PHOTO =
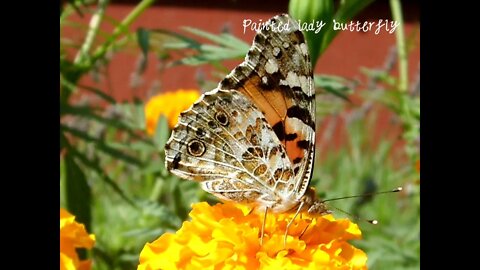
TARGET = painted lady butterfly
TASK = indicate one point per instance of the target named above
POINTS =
(252, 139)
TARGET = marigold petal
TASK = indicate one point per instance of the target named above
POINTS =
(73, 235)
(226, 236)
(170, 105)
(67, 262)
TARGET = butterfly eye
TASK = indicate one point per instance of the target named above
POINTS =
(196, 148)
(221, 118)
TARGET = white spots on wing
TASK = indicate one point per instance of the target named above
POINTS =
(264, 80)
(297, 59)
(293, 80)
(304, 84)
(276, 51)
(271, 66)
(286, 45)
(304, 48)
(297, 124)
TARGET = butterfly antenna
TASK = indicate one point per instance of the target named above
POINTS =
(364, 195)
(371, 221)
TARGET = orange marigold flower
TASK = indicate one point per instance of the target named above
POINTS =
(170, 105)
(73, 235)
(226, 236)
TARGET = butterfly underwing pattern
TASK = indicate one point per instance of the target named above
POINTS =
(252, 139)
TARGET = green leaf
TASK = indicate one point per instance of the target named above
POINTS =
(119, 154)
(142, 146)
(228, 46)
(143, 39)
(172, 40)
(179, 203)
(94, 165)
(89, 113)
(102, 146)
(161, 133)
(312, 11)
(78, 133)
(224, 39)
(335, 85)
(379, 75)
(101, 94)
(78, 193)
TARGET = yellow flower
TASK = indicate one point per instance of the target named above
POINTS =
(226, 236)
(73, 235)
(170, 105)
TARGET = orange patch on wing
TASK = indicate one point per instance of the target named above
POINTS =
(293, 150)
(272, 102)
(274, 105)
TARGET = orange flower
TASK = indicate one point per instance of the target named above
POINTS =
(226, 236)
(73, 235)
(170, 105)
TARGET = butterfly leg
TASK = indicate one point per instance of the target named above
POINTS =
(263, 226)
(251, 210)
(304, 230)
(290, 223)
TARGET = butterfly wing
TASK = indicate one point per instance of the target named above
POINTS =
(225, 142)
(277, 76)
(252, 138)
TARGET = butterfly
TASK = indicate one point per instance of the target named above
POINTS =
(252, 139)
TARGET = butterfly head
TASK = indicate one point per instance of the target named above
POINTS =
(313, 204)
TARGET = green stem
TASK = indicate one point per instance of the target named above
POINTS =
(121, 28)
(157, 190)
(93, 28)
(405, 112)
(401, 45)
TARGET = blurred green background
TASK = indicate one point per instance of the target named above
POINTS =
(113, 177)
